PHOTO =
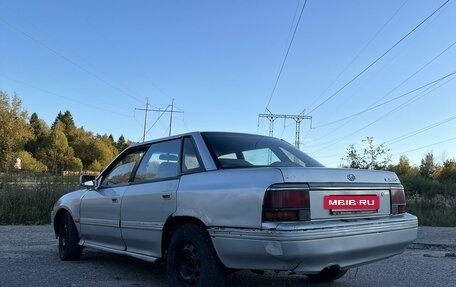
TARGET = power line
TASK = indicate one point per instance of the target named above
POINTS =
(426, 146)
(378, 59)
(60, 55)
(419, 131)
(403, 105)
(286, 55)
(423, 93)
(372, 107)
(360, 52)
(65, 97)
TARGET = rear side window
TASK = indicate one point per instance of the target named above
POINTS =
(160, 162)
(190, 159)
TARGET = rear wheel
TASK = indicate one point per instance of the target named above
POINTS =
(68, 239)
(191, 260)
(327, 274)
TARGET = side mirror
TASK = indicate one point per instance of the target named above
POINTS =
(87, 180)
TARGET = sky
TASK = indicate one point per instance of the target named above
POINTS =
(383, 69)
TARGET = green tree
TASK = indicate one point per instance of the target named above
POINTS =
(40, 132)
(73, 164)
(122, 143)
(95, 166)
(82, 146)
(428, 167)
(57, 154)
(69, 127)
(372, 157)
(14, 131)
(103, 150)
(404, 167)
(447, 172)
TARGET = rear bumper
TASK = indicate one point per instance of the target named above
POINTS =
(310, 247)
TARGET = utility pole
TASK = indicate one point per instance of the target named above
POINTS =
(172, 111)
(297, 118)
(145, 117)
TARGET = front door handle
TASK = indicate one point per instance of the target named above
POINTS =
(114, 200)
(166, 196)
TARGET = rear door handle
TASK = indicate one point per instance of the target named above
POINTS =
(166, 196)
(114, 200)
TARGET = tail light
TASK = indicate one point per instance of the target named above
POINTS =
(285, 202)
(397, 200)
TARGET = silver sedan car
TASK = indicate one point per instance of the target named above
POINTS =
(208, 203)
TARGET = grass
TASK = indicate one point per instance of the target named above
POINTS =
(29, 198)
(432, 201)
(438, 210)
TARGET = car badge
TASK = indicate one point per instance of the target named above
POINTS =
(351, 177)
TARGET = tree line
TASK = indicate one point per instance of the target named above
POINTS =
(57, 148)
(377, 157)
(65, 147)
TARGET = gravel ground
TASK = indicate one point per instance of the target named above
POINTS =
(29, 257)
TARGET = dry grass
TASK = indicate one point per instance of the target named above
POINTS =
(438, 210)
(28, 199)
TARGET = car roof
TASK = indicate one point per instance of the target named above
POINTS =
(189, 134)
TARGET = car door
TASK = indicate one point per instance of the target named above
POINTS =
(100, 207)
(151, 198)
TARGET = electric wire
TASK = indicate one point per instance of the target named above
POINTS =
(374, 106)
(60, 55)
(65, 97)
(426, 146)
(359, 53)
(379, 58)
(286, 56)
(419, 131)
(430, 88)
(421, 94)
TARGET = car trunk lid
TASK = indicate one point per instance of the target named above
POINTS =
(345, 193)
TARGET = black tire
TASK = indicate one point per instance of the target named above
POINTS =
(191, 260)
(69, 249)
(327, 275)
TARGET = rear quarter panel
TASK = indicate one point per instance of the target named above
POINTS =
(226, 198)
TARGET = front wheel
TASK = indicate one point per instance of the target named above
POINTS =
(69, 249)
(191, 260)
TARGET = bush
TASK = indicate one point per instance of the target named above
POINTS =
(427, 187)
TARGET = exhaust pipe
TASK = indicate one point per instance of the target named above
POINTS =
(328, 274)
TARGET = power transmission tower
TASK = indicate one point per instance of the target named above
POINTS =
(297, 118)
(172, 111)
(145, 117)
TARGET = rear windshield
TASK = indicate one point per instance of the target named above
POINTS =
(231, 150)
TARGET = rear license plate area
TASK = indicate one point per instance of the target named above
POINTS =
(351, 204)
